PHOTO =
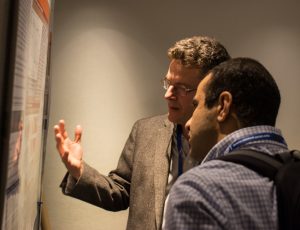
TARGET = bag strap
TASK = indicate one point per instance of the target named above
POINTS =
(262, 163)
(287, 188)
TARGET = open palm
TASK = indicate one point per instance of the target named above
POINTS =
(70, 151)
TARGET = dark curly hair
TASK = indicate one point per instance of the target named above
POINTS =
(199, 52)
(256, 97)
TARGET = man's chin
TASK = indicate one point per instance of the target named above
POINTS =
(171, 118)
(174, 118)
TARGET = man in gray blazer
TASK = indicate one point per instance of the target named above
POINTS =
(155, 153)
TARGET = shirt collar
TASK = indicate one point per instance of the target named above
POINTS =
(223, 147)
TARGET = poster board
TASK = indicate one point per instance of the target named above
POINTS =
(23, 118)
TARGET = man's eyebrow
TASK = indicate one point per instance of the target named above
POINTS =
(179, 83)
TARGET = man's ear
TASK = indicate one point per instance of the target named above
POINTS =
(224, 105)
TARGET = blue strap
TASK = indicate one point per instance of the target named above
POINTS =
(257, 137)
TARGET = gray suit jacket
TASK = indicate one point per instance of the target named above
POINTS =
(138, 182)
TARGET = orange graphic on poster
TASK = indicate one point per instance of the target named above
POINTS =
(42, 9)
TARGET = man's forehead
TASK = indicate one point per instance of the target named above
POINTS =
(203, 83)
(177, 66)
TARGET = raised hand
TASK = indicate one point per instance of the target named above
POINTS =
(69, 151)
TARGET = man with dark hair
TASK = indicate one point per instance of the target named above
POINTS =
(156, 150)
(236, 106)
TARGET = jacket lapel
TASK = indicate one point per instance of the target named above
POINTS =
(161, 168)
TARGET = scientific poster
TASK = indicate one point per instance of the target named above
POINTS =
(25, 156)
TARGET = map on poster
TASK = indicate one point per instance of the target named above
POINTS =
(23, 183)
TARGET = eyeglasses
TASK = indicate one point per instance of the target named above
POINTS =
(179, 90)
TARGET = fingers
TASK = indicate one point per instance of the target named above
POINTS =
(62, 129)
(56, 129)
(60, 144)
(78, 134)
(61, 136)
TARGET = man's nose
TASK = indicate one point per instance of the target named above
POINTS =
(170, 93)
(187, 125)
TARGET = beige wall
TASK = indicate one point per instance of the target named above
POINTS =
(107, 61)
